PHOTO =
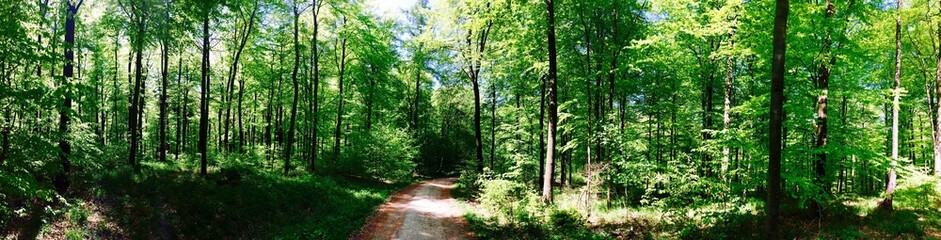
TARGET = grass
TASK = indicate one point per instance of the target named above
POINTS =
(917, 215)
(170, 202)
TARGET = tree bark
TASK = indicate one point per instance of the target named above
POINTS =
(316, 100)
(823, 85)
(336, 131)
(204, 99)
(133, 113)
(553, 104)
(493, 123)
(727, 106)
(896, 94)
(937, 131)
(297, 62)
(777, 115)
(542, 138)
(162, 122)
(180, 116)
(473, 72)
(65, 147)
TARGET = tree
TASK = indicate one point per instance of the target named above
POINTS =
(475, 45)
(316, 100)
(937, 115)
(782, 7)
(896, 93)
(137, 13)
(341, 67)
(205, 11)
(65, 147)
(551, 83)
(297, 62)
(243, 33)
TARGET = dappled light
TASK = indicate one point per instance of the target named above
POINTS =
(470, 119)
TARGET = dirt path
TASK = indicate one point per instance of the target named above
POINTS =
(423, 210)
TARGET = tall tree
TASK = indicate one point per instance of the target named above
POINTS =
(297, 62)
(315, 117)
(65, 147)
(896, 94)
(137, 14)
(205, 13)
(937, 116)
(782, 7)
(243, 33)
(551, 83)
(822, 80)
(476, 45)
(341, 65)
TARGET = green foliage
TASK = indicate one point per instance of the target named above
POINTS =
(510, 210)
(262, 205)
(509, 201)
(385, 153)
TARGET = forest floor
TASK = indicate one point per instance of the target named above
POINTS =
(423, 210)
(172, 202)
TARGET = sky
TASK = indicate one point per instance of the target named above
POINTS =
(390, 8)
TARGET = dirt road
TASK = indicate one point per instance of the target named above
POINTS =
(423, 210)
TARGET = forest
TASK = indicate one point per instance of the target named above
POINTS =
(545, 119)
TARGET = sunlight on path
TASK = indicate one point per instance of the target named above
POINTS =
(421, 211)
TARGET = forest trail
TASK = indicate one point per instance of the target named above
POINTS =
(423, 210)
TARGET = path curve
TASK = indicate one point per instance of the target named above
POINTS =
(423, 210)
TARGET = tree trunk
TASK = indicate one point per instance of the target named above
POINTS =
(937, 120)
(553, 105)
(493, 123)
(134, 122)
(65, 147)
(890, 185)
(777, 116)
(204, 100)
(162, 122)
(336, 131)
(179, 108)
(297, 62)
(478, 144)
(542, 118)
(727, 106)
(823, 85)
(315, 119)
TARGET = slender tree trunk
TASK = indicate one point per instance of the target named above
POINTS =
(204, 101)
(65, 147)
(474, 74)
(164, 83)
(478, 144)
(134, 122)
(185, 114)
(890, 185)
(370, 100)
(316, 101)
(7, 122)
(493, 123)
(727, 106)
(336, 131)
(823, 85)
(180, 116)
(777, 116)
(553, 104)
(542, 118)
(297, 62)
(937, 121)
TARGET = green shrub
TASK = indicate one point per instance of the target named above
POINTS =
(386, 152)
(509, 201)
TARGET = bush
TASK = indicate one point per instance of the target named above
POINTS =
(509, 201)
(386, 152)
